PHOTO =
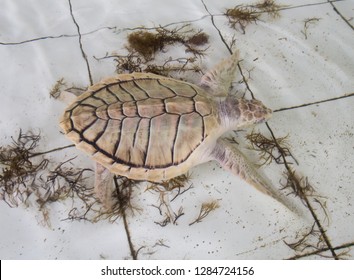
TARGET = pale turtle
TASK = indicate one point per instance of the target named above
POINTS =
(149, 127)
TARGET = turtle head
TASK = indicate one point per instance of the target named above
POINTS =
(253, 112)
(239, 112)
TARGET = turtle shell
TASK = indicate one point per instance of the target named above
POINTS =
(142, 126)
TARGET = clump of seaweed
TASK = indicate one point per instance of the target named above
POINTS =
(269, 148)
(25, 180)
(122, 199)
(132, 62)
(176, 187)
(92, 210)
(312, 242)
(198, 39)
(205, 210)
(56, 89)
(270, 7)
(297, 185)
(242, 15)
(304, 241)
(176, 183)
(173, 65)
(23, 176)
(144, 44)
(65, 182)
(18, 171)
(147, 43)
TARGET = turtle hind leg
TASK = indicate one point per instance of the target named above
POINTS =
(68, 96)
(103, 188)
(234, 161)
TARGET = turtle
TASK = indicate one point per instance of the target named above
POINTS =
(152, 128)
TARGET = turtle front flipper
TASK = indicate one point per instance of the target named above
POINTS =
(217, 81)
(234, 161)
(104, 186)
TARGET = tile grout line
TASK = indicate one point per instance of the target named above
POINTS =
(340, 14)
(130, 29)
(80, 42)
(307, 5)
(304, 197)
(36, 39)
(57, 36)
(315, 102)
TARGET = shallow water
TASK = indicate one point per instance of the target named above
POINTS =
(300, 64)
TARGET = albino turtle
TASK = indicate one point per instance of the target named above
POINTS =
(149, 127)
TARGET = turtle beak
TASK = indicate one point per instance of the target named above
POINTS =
(268, 114)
